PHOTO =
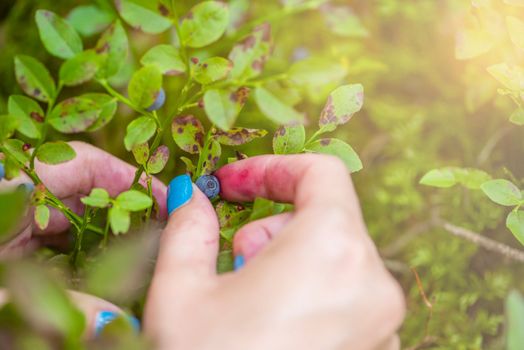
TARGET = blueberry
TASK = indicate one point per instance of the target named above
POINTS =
(2, 171)
(159, 101)
(209, 185)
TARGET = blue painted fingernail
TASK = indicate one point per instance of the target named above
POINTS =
(239, 262)
(135, 323)
(103, 319)
(2, 171)
(27, 187)
(179, 192)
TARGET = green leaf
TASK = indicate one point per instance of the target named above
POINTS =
(89, 19)
(158, 160)
(517, 117)
(289, 139)
(42, 216)
(56, 152)
(276, 110)
(442, 178)
(238, 136)
(262, 208)
(144, 86)
(141, 153)
(515, 321)
(139, 131)
(119, 219)
(59, 37)
(8, 126)
(211, 156)
(188, 133)
(150, 16)
(339, 149)
(470, 178)
(225, 261)
(502, 192)
(343, 21)
(190, 167)
(515, 223)
(250, 55)
(509, 76)
(133, 200)
(34, 78)
(42, 301)
(80, 68)
(166, 58)
(222, 106)
(87, 112)
(211, 70)
(98, 198)
(12, 207)
(516, 31)
(205, 23)
(28, 113)
(341, 105)
(15, 148)
(113, 49)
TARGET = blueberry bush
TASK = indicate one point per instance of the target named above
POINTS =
(187, 86)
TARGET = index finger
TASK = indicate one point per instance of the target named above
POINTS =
(305, 180)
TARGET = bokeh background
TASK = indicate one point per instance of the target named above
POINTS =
(429, 102)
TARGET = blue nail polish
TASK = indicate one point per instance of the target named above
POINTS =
(27, 187)
(103, 319)
(135, 323)
(239, 262)
(2, 171)
(179, 192)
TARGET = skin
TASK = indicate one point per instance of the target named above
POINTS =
(313, 278)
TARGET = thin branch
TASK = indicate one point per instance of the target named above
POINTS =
(484, 242)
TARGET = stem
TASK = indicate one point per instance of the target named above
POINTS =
(204, 152)
(150, 194)
(80, 236)
(103, 244)
(319, 132)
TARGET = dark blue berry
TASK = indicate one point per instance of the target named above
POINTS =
(159, 101)
(209, 185)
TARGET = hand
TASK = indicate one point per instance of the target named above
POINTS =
(73, 180)
(313, 278)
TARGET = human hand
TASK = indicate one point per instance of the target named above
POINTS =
(313, 278)
(70, 181)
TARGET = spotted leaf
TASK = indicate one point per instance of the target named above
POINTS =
(289, 139)
(188, 133)
(222, 106)
(34, 78)
(158, 160)
(29, 114)
(250, 55)
(341, 105)
(238, 136)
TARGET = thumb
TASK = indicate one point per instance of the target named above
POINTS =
(189, 243)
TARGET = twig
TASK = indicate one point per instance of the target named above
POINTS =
(484, 242)
(401, 242)
(425, 298)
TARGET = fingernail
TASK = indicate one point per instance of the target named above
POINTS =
(27, 187)
(2, 171)
(135, 323)
(239, 262)
(179, 192)
(103, 319)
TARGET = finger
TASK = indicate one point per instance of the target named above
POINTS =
(92, 168)
(393, 343)
(189, 243)
(98, 312)
(302, 179)
(251, 238)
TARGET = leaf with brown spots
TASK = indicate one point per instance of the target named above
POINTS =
(113, 49)
(204, 24)
(150, 16)
(83, 113)
(289, 139)
(342, 104)
(144, 86)
(211, 70)
(211, 157)
(250, 55)
(188, 133)
(158, 160)
(238, 136)
(28, 113)
(34, 78)
(141, 153)
(222, 106)
(190, 167)
(80, 69)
